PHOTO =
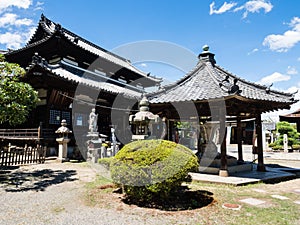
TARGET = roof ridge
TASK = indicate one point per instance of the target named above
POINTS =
(263, 87)
(94, 45)
(40, 24)
(177, 82)
(214, 75)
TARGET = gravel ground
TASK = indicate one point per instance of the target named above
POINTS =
(53, 193)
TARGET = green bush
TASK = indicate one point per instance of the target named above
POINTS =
(106, 162)
(271, 145)
(152, 168)
(296, 147)
(288, 129)
(277, 147)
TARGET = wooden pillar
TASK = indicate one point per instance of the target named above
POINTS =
(222, 135)
(239, 140)
(170, 130)
(260, 154)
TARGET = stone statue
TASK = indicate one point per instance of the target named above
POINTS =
(113, 136)
(93, 119)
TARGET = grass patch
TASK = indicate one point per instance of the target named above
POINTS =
(100, 193)
(274, 211)
(58, 209)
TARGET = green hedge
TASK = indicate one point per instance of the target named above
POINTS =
(152, 168)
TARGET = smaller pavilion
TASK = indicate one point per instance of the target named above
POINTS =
(210, 94)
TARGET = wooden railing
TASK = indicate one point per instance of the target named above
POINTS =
(26, 134)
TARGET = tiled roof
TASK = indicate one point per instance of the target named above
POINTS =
(209, 81)
(67, 73)
(51, 28)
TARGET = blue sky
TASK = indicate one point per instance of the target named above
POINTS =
(258, 40)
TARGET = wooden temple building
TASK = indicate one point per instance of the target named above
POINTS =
(73, 76)
(64, 67)
(210, 93)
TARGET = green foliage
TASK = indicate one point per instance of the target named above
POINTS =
(17, 99)
(271, 145)
(286, 128)
(152, 168)
(296, 147)
(106, 162)
(277, 147)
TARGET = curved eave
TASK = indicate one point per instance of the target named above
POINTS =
(26, 47)
(68, 77)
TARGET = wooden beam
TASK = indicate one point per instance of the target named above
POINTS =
(260, 166)
(222, 135)
(239, 140)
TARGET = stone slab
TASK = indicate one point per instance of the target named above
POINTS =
(243, 178)
(259, 190)
(297, 191)
(280, 197)
(253, 201)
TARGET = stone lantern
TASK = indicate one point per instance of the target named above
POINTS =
(63, 141)
(142, 121)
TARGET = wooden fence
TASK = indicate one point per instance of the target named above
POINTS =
(22, 155)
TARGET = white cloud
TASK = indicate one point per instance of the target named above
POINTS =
(273, 78)
(39, 3)
(291, 70)
(283, 42)
(224, 8)
(39, 6)
(4, 4)
(253, 51)
(15, 40)
(255, 6)
(11, 40)
(9, 19)
(298, 59)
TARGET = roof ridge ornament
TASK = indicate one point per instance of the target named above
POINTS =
(206, 55)
(38, 60)
(232, 88)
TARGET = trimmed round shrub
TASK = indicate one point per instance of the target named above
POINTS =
(149, 169)
(105, 162)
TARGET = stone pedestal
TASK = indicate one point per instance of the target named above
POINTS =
(94, 147)
(285, 143)
(62, 149)
(223, 173)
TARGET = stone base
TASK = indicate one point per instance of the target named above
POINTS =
(223, 173)
(231, 161)
(93, 135)
(60, 160)
(231, 169)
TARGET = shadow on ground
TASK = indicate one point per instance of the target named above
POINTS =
(185, 199)
(37, 180)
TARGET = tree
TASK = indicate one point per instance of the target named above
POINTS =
(17, 98)
(286, 128)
